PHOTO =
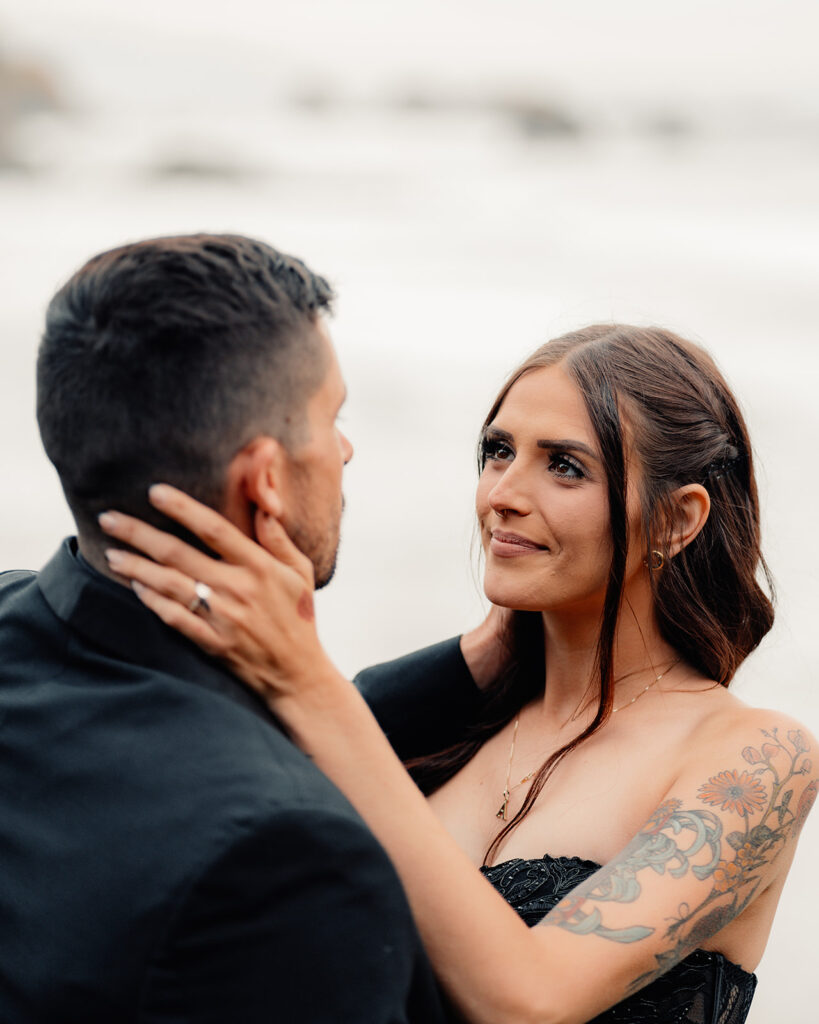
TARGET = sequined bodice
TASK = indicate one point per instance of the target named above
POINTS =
(705, 988)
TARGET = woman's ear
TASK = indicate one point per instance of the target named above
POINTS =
(691, 507)
(254, 482)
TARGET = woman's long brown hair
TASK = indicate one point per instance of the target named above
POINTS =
(684, 426)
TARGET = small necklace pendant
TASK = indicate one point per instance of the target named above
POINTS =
(502, 812)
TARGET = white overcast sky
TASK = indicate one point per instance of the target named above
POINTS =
(700, 51)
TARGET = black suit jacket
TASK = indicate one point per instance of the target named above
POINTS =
(424, 701)
(166, 854)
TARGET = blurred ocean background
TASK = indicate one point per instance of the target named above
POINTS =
(474, 177)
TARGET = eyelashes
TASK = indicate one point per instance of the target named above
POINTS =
(495, 450)
(561, 464)
(565, 466)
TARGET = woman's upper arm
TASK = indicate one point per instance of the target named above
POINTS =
(722, 834)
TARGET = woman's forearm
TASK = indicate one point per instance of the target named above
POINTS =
(449, 898)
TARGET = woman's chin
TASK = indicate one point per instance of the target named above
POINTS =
(510, 597)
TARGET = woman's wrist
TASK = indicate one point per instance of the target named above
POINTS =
(315, 696)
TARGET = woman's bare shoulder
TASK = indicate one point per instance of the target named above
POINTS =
(730, 720)
(717, 713)
(756, 763)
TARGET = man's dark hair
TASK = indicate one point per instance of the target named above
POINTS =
(163, 358)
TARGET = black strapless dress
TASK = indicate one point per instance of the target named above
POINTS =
(705, 988)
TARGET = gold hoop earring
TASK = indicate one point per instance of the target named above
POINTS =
(655, 561)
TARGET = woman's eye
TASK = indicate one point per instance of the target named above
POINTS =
(496, 451)
(566, 467)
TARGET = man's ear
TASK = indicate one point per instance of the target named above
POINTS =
(254, 481)
(692, 505)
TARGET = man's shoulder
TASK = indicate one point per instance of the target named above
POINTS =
(189, 746)
(14, 582)
(29, 632)
(150, 731)
(171, 738)
(22, 606)
(8, 576)
(236, 755)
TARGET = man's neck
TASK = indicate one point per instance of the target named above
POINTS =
(92, 550)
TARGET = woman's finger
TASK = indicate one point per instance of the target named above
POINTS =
(273, 538)
(162, 547)
(209, 526)
(164, 580)
(194, 627)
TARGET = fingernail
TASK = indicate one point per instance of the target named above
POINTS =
(159, 493)
(113, 556)
(137, 588)
(108, 520)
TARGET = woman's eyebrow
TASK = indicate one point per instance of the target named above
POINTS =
(567, 445)
(551, 444)
(558, 444)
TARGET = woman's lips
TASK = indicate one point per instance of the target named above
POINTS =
(511, 545)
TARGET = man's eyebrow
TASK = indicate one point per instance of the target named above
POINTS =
(558, 444)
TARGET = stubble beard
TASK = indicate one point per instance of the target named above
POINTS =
(325, 573)
(321, 547)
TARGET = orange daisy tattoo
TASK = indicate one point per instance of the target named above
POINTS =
(743, 794)
(660, 818)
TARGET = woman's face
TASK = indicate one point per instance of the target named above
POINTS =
(542, 501)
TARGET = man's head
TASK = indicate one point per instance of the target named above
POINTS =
(202, 361)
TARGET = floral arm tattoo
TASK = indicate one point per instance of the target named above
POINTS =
(762, 797)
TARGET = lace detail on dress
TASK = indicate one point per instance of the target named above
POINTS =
(705, 988)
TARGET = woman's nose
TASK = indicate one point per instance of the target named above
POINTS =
(509, 495)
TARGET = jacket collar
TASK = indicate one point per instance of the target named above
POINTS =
(111, 617)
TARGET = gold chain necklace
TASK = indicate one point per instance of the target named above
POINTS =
(509, 790)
